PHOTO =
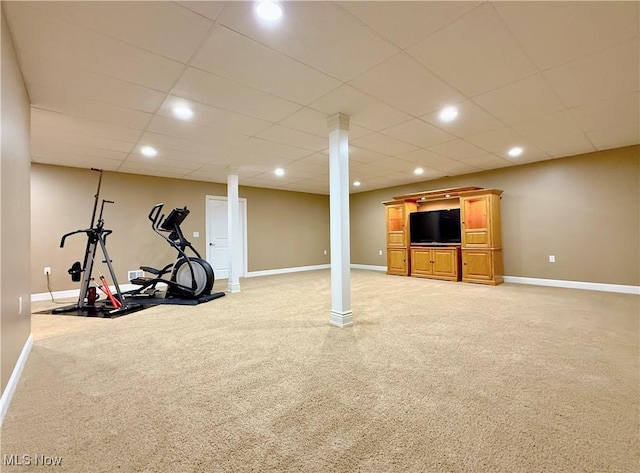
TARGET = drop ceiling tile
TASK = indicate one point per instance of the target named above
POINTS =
(530, 154)
(168, 159)
(571, 29)
(476, 53)
(209, 9)
(284, 135)
(153, 26)
(617, 137)
(383, 144)
(262, 146)
(602, 75)
(499, 139)
(327, 38)
(403, 83)
(310, 165)
(457, 149)
(218, 92)
(471, 120)
(548, 127)
(51, 148)
(609, 113)
(487, 161)
(361, 171)
(362, 155)
(90, 109)
(43, 37)
(241, 59)
(558, 146)
(363, 109)
(453, 168)
(418, 133)
(219, 173)
(210, 146)
(48, 81)
(429, 160)
(213, 118)
(405, 23)
(79, 162)
(519, 101)
(422, 157)
(308, 121)
(68, 125)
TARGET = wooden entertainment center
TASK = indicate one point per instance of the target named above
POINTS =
(478, 256)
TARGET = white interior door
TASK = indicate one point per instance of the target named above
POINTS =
(218, 235)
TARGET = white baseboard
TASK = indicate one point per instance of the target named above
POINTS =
(45, 296)
(590, 286)
(369, 267)
(5, 400)
(271, 272)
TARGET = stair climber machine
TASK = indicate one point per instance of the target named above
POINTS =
(188, 279)
(88, 305)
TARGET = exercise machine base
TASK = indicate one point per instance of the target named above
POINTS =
(101, 310)
(105, 311)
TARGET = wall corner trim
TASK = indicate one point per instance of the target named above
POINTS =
(5, 400)
(590, 286)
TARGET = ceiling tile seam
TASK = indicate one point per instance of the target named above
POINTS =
(572, 109)
(185, 68)
(181, 5)
(120, 40)
(478, 4)
(187, 139)
(92, 121)
(540, 71)
(42, 107)
(294, 59)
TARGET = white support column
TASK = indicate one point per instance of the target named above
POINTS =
(233, 216)
(341, 314)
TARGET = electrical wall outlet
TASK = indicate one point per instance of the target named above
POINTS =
(196, 234)
(552, 258)
(47, 270)
(325, 252)
(379, 252)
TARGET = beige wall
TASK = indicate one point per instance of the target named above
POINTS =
(284, 229)
(15, 327)
(584, 209)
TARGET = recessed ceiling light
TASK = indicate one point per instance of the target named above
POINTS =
(418, 171)
(182, 112)
(515, 151)
(279, 172)
(148, 151)
(356, 183)
(448, 114)
(269, 10)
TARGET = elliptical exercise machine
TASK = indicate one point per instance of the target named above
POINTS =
(88, 304)
(189, 277)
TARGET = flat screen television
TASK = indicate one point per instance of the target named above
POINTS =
(435, 226)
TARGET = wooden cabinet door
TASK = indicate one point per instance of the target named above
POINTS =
(475, 221)
(397, 261)
(421, 262)
(477, 265)
(396, 225)
(445, 262)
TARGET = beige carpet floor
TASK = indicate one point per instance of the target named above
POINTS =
(433, 377)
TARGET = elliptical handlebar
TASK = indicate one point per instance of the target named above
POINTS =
(155, 215)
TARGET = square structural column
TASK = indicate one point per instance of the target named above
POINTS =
(341, 314)
(235, 249)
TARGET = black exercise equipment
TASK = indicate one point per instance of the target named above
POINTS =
(88, 304)
(189, 277)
